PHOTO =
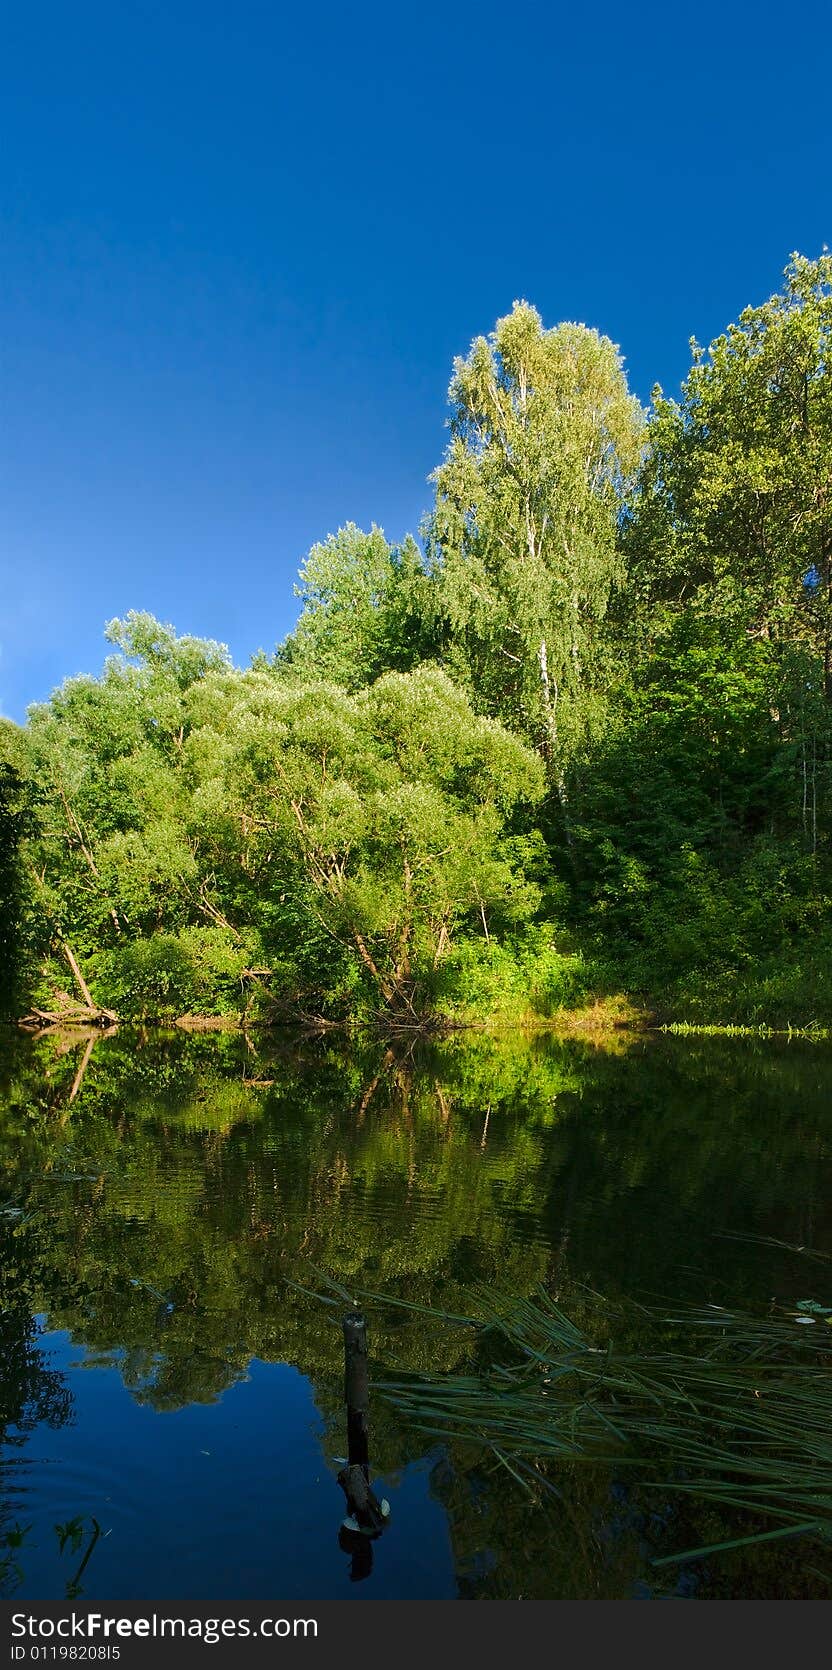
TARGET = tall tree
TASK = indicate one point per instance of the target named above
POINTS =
(732, 518)
(734, 504)
(544, 441)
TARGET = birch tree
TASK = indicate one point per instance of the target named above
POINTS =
(545, 438)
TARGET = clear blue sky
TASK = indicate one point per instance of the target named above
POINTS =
(241, 244)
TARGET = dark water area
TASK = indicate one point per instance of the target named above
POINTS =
(166, 1200)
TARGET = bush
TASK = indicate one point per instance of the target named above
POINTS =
(514, 980)
(149, 978)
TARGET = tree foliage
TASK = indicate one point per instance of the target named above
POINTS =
(364, 610)
(208, 833)
(544, 439)
(734, 509)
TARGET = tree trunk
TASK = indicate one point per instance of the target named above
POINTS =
(73, 963)
(384, 985)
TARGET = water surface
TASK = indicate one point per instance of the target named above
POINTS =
(167, 1200)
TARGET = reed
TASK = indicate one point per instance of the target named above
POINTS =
(810, 1031)
(728, 1409)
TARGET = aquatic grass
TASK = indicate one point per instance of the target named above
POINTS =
(726, 1409)
(809, 1030)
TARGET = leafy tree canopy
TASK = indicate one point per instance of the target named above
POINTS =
(544, 440)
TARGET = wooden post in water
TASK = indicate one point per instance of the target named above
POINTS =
(366, 1515)
(357, 1391)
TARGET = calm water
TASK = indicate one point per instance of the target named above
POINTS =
(165, 1201)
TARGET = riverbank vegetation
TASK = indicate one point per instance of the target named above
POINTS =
(574, 744)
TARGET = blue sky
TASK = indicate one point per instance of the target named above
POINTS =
(241, 245)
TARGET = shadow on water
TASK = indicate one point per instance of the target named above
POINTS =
(168, 1381)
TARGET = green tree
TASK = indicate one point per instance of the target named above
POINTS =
(363, 610)
(162, 655)
(544, 440)
(732, 521)
(380, 820)
(114, 861)
(735, 496)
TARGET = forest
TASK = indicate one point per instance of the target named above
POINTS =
(569, 749)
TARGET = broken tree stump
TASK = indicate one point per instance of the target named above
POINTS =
(366, 1515)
